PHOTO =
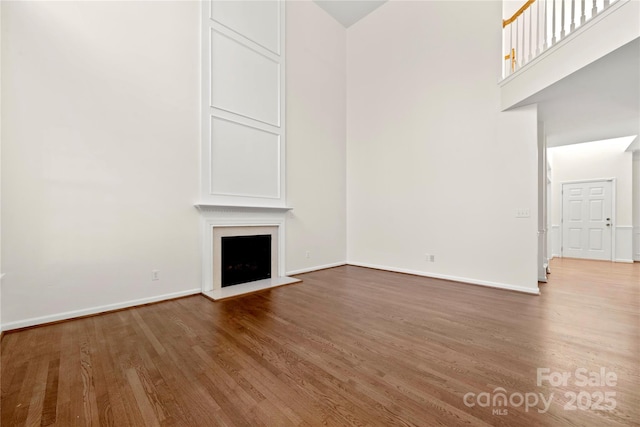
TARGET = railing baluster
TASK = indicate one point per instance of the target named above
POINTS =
(573, 16)
(544, 24)
(517, 45)
(511, 49)
(538, 21)
(583, 16)
(530, 35)
(594, 9)
(553, 23)
(562, 32)
(606, 3)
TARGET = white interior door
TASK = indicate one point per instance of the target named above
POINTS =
(587, 220)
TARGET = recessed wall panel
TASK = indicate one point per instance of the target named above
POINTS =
(245, 161)
(258, 21)
(243, 81)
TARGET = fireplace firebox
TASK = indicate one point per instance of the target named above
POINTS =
(245, 259)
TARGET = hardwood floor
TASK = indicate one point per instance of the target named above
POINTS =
(349, 346)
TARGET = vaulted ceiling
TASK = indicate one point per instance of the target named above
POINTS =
(348, 12)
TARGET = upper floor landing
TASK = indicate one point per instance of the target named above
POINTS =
(545, 41)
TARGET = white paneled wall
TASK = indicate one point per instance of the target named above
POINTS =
(243, 110)
(556, 241)
(258, 21)
(624, 244)
(243, 80)
(241, 151)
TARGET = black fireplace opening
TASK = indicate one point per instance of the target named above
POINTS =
(245, 259)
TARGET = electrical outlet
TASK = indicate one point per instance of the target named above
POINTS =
(429, 257)
(307, 254)
(155, 274)
(523, 213)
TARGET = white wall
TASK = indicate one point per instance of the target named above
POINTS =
(427, 146)
(100, 144)
(1, 274)
(316, 137)
(598, 160)
(636, 206)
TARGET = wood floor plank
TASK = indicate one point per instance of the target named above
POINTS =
(147, 409)
(49, 409)
(349, 346)
(37, 393)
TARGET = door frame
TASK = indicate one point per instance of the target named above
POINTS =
(613, 212)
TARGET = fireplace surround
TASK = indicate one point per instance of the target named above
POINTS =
(226, 232)
(218, 221)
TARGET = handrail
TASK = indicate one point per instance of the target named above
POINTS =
(520, 11)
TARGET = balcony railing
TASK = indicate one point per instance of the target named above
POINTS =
(540, 24)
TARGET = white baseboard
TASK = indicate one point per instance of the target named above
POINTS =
(447, 277)
(95, 310)
(626, 261)
(316, 268)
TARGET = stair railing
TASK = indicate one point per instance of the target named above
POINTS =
(540, 24)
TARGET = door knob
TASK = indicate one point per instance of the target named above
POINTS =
(608, 225)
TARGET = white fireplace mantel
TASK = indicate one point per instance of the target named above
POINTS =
(207, 207)
(215, 216)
